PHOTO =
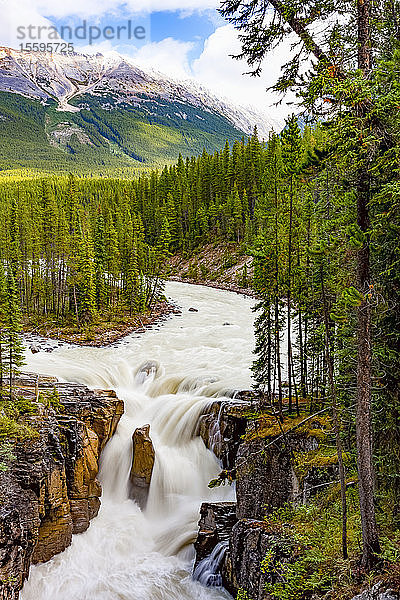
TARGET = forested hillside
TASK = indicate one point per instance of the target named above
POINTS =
(121, 142)
(315, 207)
(102, 115)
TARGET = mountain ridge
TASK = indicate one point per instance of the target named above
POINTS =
(62, 77)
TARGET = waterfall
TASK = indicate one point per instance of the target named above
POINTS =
(207, 571)
(167, 378)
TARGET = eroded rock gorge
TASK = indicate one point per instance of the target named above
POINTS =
(271, 469)
(50, 488)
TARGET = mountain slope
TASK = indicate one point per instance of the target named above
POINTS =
(99, 113)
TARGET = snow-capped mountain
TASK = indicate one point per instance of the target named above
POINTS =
(67, 77)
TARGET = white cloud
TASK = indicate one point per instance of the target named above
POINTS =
(32, 12)
(97, 8)
(168, 56)
(216, 69)
(15, 16)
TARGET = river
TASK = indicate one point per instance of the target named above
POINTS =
(127, 554)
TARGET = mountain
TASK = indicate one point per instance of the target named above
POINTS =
(95, 113)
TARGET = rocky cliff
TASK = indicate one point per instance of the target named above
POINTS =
(272, 468)
(49, 489)
(251, 548)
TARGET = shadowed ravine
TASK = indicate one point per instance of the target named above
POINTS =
(127, 554)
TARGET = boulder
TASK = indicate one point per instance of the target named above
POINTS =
(142, 465)
(149, 368)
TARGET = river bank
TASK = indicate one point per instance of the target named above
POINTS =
(166, 378)
(101, 333)
(281, 539)
(220, 266)
(48, 478)
(49, 335)
(177, 383)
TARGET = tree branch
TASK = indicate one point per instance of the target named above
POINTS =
(297, 26)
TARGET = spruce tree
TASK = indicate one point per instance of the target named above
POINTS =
(86, 280)
(291, 155)
(3, 324)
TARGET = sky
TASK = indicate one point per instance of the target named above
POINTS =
(183, 39)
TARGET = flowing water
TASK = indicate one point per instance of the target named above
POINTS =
(166, 378)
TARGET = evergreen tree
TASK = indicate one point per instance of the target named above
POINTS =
(85, 280)
(14, 350)
(291, 155)
(3, 324)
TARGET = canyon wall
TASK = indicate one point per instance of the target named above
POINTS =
(266, 464)
(49, 489)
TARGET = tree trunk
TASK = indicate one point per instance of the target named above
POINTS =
(289, 298)
(269, 356)
(276, 300)
(370, 536)
(336, 417)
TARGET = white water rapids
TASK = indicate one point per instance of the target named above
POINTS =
(127, 554)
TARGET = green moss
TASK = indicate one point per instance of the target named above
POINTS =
(6, 455)
(52, 400)
(267, 425)
(12, 415)
(242, 595)
(317, 568)
(25, 406)
(321, 458)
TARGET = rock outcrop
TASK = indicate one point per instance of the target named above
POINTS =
(256, 556)
(273, 467)
(266, 478)
(223, 426)
(377, 592)
(216, 523)
(50, 489)
(142, 465)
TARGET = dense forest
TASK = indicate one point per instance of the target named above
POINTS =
(316, 206)
(97, 141)
(76, 248)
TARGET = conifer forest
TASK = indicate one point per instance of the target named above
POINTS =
(315, 209)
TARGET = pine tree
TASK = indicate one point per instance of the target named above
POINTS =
(85, 280)
(3, 324)
(100, 261)
(14, 350)
(291, 155)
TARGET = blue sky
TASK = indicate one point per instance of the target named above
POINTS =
(184, 39)
(193, 27)
(185, 26)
